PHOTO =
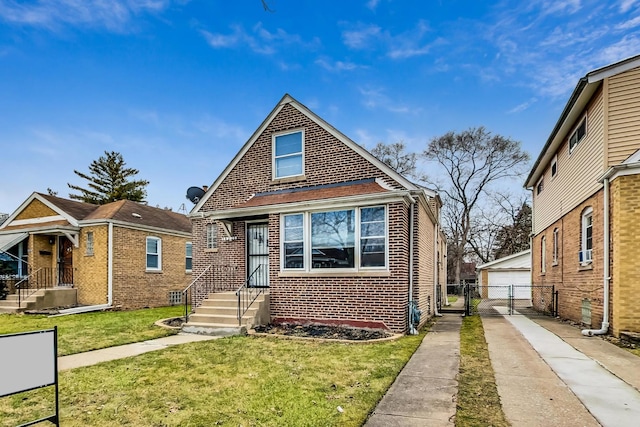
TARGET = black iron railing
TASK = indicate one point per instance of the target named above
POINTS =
(214, 278)
(250, 291)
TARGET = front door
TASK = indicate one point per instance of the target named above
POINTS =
(65, 262)
(258, 255)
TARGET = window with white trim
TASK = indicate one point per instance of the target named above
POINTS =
(89, 244)
(540, 186)
(188, 256)
(288, 155)
(543, 254)
(347, 239)
(554, 166)
(586, 244)
(555, 246)
(154, 254)
(578, 134)
(212, 236)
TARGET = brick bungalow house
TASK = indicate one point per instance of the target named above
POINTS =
(335, 235)
(586, 208)
(121, 254)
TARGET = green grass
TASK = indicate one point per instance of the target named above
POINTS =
(478, 399)
(452, 298)
(248, 381)
(90, 331)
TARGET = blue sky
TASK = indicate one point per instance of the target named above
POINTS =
(178, 87)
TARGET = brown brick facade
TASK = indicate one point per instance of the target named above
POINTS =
(365, 297)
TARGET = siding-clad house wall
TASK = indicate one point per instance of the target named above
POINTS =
(423, 262)
(623, 113)
(578, 172)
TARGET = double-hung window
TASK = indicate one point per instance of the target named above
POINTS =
(154, 254)
(555, 246)
(586, 244)
(288, 155)
(578, 134)
(349, 239)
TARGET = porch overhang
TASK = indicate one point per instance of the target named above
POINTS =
(339, 202)
(69, 231)
(9, 240)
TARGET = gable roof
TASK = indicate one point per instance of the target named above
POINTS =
(124, 211)
(517, 260)
(289, 100)
(578, 100)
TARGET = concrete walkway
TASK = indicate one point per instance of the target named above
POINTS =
(424, 394)
(127, 350)
(548, 373)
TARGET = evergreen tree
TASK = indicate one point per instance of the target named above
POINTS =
(108, 181)
(514, 238)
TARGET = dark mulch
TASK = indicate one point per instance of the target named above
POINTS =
(174, 322)
(323, 331)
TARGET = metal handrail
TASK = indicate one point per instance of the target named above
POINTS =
(245, 303)
(19, 289)
(187, 289)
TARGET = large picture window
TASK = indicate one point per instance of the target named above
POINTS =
(288, 155)
(347, 239)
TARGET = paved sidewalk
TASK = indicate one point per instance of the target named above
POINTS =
(127, 350)
(549, 374)
(424, 394)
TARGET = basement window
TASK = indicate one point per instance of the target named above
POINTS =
(175, 297)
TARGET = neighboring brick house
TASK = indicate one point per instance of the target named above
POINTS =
(328, 228)
(586, 207)
(121, 254)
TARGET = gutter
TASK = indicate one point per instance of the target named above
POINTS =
(98, 307)
(606, 276)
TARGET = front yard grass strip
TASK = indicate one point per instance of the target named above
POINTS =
(249, 381)
(478, 399)
(78, 333)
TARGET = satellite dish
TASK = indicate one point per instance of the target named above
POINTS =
(195, 194)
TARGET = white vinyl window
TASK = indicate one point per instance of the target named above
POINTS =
(288, 155)
(578, 134)
(188, 257)
(154, 254)
(212, 236)
(555, 246)
(347, 239)
(543, 254)
(586, 244)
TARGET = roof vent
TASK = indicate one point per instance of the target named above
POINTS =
(137, 215)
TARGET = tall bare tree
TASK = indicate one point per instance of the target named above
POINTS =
(108, 181)
(395, 156)
(472, 160)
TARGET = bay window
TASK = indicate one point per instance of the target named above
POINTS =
(348, 239)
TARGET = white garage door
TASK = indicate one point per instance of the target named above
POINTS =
(499, 282)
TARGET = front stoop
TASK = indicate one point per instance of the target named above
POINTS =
(218, 315)
(40, 300)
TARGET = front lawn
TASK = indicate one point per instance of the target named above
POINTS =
(247, 381)
(90, 331)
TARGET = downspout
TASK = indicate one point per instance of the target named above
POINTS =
(435, 273)
(412, 329)
(98, 307)
(606, 277)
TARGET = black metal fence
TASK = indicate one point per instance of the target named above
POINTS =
(511, 300)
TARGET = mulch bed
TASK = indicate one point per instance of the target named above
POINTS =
(324, 332)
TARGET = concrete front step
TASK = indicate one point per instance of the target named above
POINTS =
(224, 311)
(219, 319)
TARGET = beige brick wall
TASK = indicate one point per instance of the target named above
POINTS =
(573, 281)
(134, 286)
(625, 283)
(91, 271)
(35, 209)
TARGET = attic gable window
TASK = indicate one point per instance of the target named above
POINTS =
(578, 134)
(288, 155)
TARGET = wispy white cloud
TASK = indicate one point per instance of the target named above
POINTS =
(373, 4)
(522, 107)
(336, 66)
(376, 98)
(361, 37)
(259, 40)
(626, 5)
(114, 15)
(628, 24)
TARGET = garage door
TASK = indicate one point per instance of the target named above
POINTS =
(499, 282)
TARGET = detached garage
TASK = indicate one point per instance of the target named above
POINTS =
(495, 277)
